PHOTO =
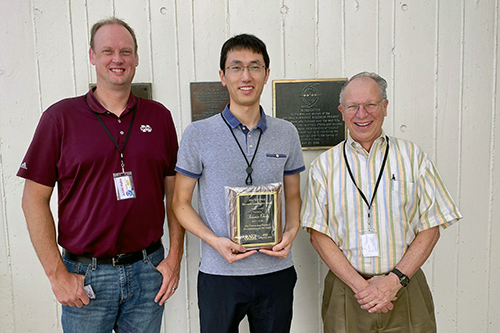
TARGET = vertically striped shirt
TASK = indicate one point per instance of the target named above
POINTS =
(411, 197)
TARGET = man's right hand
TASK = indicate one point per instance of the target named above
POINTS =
(68, 289)
(379, 294)
(230, 250)
(191, 221)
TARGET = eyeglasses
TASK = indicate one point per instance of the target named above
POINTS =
(252, 69)
(369, 107)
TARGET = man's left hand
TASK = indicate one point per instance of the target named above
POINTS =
(281, 249)
(170, 268)
(379, 294)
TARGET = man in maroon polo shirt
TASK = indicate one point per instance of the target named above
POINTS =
(112, 156)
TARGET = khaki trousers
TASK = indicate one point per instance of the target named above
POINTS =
(413, 311)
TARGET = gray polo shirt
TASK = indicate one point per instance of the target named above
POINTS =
(209, 153)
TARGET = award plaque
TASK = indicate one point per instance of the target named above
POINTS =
(255, 215)
(312, 106)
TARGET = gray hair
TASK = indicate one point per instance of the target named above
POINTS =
(381, 82)
(107, 21)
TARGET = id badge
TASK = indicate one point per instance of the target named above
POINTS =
(124, 185)
(369, 242)
(89, 291)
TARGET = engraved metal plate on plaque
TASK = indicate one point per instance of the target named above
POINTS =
(255, 215)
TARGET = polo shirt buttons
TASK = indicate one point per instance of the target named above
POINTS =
(119, 121)
(121, 132)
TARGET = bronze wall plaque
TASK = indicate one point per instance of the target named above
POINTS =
(312, 106)
(142, 90)
(207, 99)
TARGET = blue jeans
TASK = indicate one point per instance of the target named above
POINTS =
(124, 297)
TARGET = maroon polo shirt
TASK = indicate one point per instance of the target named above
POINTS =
(72, 149)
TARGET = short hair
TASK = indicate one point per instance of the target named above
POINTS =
(107, 21)
(243, 42)
(381, 82)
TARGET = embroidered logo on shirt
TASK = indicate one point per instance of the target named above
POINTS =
(23, 166)
(146, 128)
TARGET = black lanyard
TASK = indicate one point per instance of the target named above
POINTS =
(249, 169)
(113, 139)
(378, 179)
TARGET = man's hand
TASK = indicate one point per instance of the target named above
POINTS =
(281, 249)
(227, 249)
(170, 268)
(379, 294)
(382, 290)
(189, 219)
(292, 216)
(68, 289)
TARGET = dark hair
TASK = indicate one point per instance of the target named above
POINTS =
(381, 82)
(111, 20)
(243, 42)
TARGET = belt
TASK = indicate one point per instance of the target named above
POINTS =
(118, 260)
(368, 276)
(365, 276)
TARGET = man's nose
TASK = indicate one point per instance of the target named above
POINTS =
(117, 58)
(245, 76)
(361, 113)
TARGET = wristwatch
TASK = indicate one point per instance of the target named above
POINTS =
(403, 279)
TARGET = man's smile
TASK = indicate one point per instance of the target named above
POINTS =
(364, 124)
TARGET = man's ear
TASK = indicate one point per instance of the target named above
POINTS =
(385, 107)
(222, 78)
(92, 56)
(341, 109)
(268, 70)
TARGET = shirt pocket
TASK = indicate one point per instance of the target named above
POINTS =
(276, 155)
(404, 203)
(275, 164)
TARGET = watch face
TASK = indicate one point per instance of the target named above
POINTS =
(404, 280)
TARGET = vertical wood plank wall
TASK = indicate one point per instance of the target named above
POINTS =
(440, 58)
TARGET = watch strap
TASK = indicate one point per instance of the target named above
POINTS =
(403, 278)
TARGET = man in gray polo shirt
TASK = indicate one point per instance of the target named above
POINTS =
(240, 147)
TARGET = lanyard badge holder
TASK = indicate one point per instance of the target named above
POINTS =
(369, 239)
(123, 181)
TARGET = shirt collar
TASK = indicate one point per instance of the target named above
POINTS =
(234, 122)
(381, 141)
(96, 106)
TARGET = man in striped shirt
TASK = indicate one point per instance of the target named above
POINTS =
(373, 207)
